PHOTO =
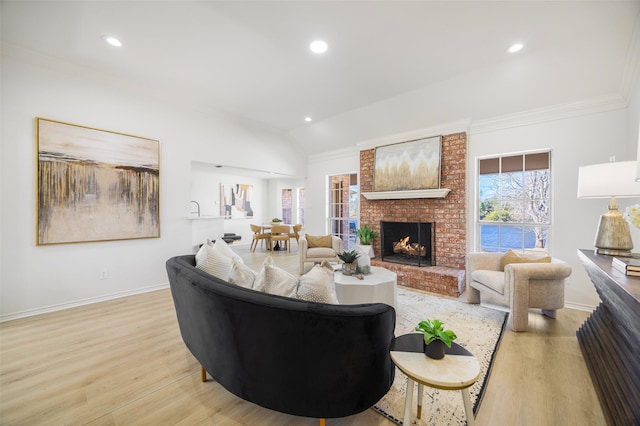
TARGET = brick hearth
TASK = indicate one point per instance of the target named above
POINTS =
(448, 214)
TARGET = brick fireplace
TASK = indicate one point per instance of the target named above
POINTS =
(447, 216)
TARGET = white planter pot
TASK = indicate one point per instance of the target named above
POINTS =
(365, 250)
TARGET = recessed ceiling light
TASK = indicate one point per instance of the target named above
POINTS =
(516, 47)
(113, 41)
(318, 46)
(307, 119)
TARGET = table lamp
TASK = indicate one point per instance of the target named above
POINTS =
(615, 179)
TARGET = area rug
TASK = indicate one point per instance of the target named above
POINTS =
(479, 330)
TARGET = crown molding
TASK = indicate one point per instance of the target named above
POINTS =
(442, 129)
(333, 155)
(553, 112)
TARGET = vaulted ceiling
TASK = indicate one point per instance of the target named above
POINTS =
(391, 65)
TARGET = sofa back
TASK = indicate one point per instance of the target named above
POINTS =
(297, 357)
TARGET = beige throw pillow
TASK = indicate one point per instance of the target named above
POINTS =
(261, 276)
(280, 282)
(512, 257)
(317, 285)
(241, 274)
(323, 241)
(224, 248)
(216, 263)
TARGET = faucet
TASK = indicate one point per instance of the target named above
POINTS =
(198, 205)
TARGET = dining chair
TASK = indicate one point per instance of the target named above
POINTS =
(280, 233)
(296, 233)
(258, 235)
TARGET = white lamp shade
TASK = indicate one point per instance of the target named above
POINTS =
(616, 179)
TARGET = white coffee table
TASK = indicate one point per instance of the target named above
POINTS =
(377, 286)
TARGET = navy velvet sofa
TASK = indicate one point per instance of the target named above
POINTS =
(302, 358)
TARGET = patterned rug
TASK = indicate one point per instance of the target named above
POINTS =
(478, 329)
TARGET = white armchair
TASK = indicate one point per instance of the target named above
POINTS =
(318, 254)
(520, 286)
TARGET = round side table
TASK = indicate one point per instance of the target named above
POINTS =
(458, 370)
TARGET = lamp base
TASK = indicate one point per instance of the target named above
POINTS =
(613, 237)
(610, 252)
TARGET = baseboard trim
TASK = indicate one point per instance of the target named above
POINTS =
(579, 307)
(81, 302)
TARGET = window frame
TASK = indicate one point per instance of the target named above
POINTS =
(522, 224)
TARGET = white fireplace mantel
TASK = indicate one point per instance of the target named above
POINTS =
(403, 195)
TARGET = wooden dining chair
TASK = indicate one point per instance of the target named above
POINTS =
(280, 233)
(258, 235)
(296, 233)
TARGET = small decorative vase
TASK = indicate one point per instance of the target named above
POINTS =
(349, 268)
(434, 350)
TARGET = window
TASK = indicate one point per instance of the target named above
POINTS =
(343, 208)
(301, 206)
(287, 205)
(514, 202)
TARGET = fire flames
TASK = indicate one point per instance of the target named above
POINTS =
(409, 249)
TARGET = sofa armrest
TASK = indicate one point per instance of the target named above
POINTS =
(303, 246)
(336, 244)
(556, 270)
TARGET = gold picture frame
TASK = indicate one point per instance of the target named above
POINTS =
(95, 185)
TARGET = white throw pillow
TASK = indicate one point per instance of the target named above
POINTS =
(216, 263)
(280, 282)
(241, 274)
(258, 283)
(317, 285)
(224, 248)
(201, 255)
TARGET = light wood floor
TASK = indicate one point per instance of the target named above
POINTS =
(122, 362)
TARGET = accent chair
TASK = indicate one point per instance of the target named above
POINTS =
(523, 283)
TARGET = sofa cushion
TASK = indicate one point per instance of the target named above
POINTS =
(280, 282)
(320, 252)
(215, 262)
(259, 282)
(201, 255)
(317, 285)
(224, 248)
(512, 257)
(241, 274)
(322, 241)
(491, 279)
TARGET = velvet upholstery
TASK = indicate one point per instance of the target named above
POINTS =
(297, 357)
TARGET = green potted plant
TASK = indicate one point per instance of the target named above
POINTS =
(349, 258)
(435, 337)
(366, 236)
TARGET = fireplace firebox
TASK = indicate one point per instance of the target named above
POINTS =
(407, 242)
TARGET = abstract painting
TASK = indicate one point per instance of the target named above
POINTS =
(408, 165)
(235, 201)
(95, 185)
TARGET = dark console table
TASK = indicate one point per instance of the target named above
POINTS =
(610, 340)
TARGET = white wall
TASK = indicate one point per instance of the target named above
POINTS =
(40, 278)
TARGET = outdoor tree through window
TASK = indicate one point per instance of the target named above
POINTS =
(514, 203)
